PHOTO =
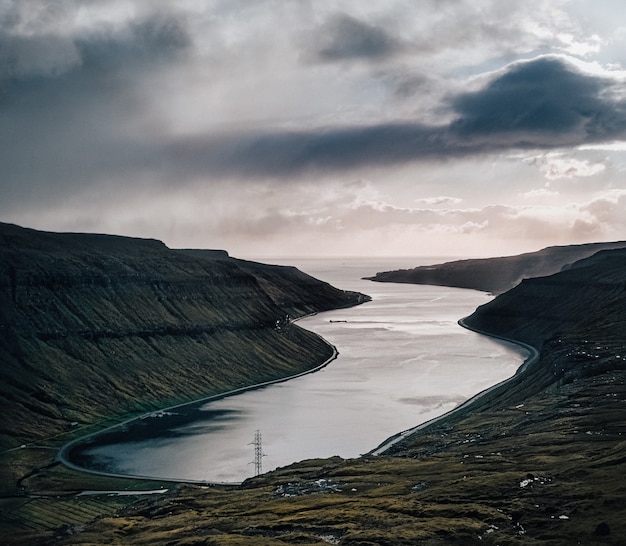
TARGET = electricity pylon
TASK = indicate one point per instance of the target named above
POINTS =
(258, 453)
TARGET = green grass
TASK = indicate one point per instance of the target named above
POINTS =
(539, 461)
(458, 482)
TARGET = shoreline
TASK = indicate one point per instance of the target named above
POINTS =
(63, 452)
(65, 449)
(464, 406)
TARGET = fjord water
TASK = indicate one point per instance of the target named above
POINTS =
(403, 360)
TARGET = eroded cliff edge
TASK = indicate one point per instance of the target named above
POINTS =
(100, 326)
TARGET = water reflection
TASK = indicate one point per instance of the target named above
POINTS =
(403, 360)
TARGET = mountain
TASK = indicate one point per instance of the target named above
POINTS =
(496, 275)
(587, 300)
(538, 459)
(94, 327)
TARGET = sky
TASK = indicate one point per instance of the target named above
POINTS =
(316, 127)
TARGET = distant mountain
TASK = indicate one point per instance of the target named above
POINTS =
(496, 275)
(536, 460)
(585, 302)
(99, 326)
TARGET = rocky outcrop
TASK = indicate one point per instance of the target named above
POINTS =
(97, 326)
(497, 275)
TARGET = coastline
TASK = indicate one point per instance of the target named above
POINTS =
(535, 458)
(63, 455)
(464, 406)
(64, 451)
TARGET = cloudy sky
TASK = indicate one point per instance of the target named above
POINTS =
(319, 127)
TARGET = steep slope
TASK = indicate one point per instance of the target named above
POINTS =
(496, 275)
(99, 326)
(539, 461)
(587, 299)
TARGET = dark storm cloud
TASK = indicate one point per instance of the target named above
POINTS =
(545, 103)
(35, 55)
(287, 153)
(345, 37)
(159, 37)
(23, 55)
(70, 118)
(79, 129)
(542, 97)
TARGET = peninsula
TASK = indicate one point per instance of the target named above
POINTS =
(496, 275)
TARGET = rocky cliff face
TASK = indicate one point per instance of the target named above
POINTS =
(94, 326)
(497, 275)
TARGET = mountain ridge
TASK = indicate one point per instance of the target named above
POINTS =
(97, 325)
(537, 460)
(498, 274)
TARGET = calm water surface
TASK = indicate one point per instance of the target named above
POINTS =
(402, 360)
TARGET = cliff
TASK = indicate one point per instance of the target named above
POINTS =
(539, 460)
(100, 326)
(496, 275)
(587, 300)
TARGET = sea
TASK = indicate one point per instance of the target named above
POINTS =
(403, 360)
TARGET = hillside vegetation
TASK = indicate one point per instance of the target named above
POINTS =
(95, 327)
(538, 460)
(496, 275)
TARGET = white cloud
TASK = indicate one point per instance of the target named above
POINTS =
(574, 46)
(569, 168)
(609, 146)
(472, 227)
(540, 193)
(555, 165)
(440, 200)
(608, 209)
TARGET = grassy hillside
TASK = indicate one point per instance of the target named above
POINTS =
(96, 327)
(497, 275)
(539, 461)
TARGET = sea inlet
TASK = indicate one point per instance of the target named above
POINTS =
(403, 360)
